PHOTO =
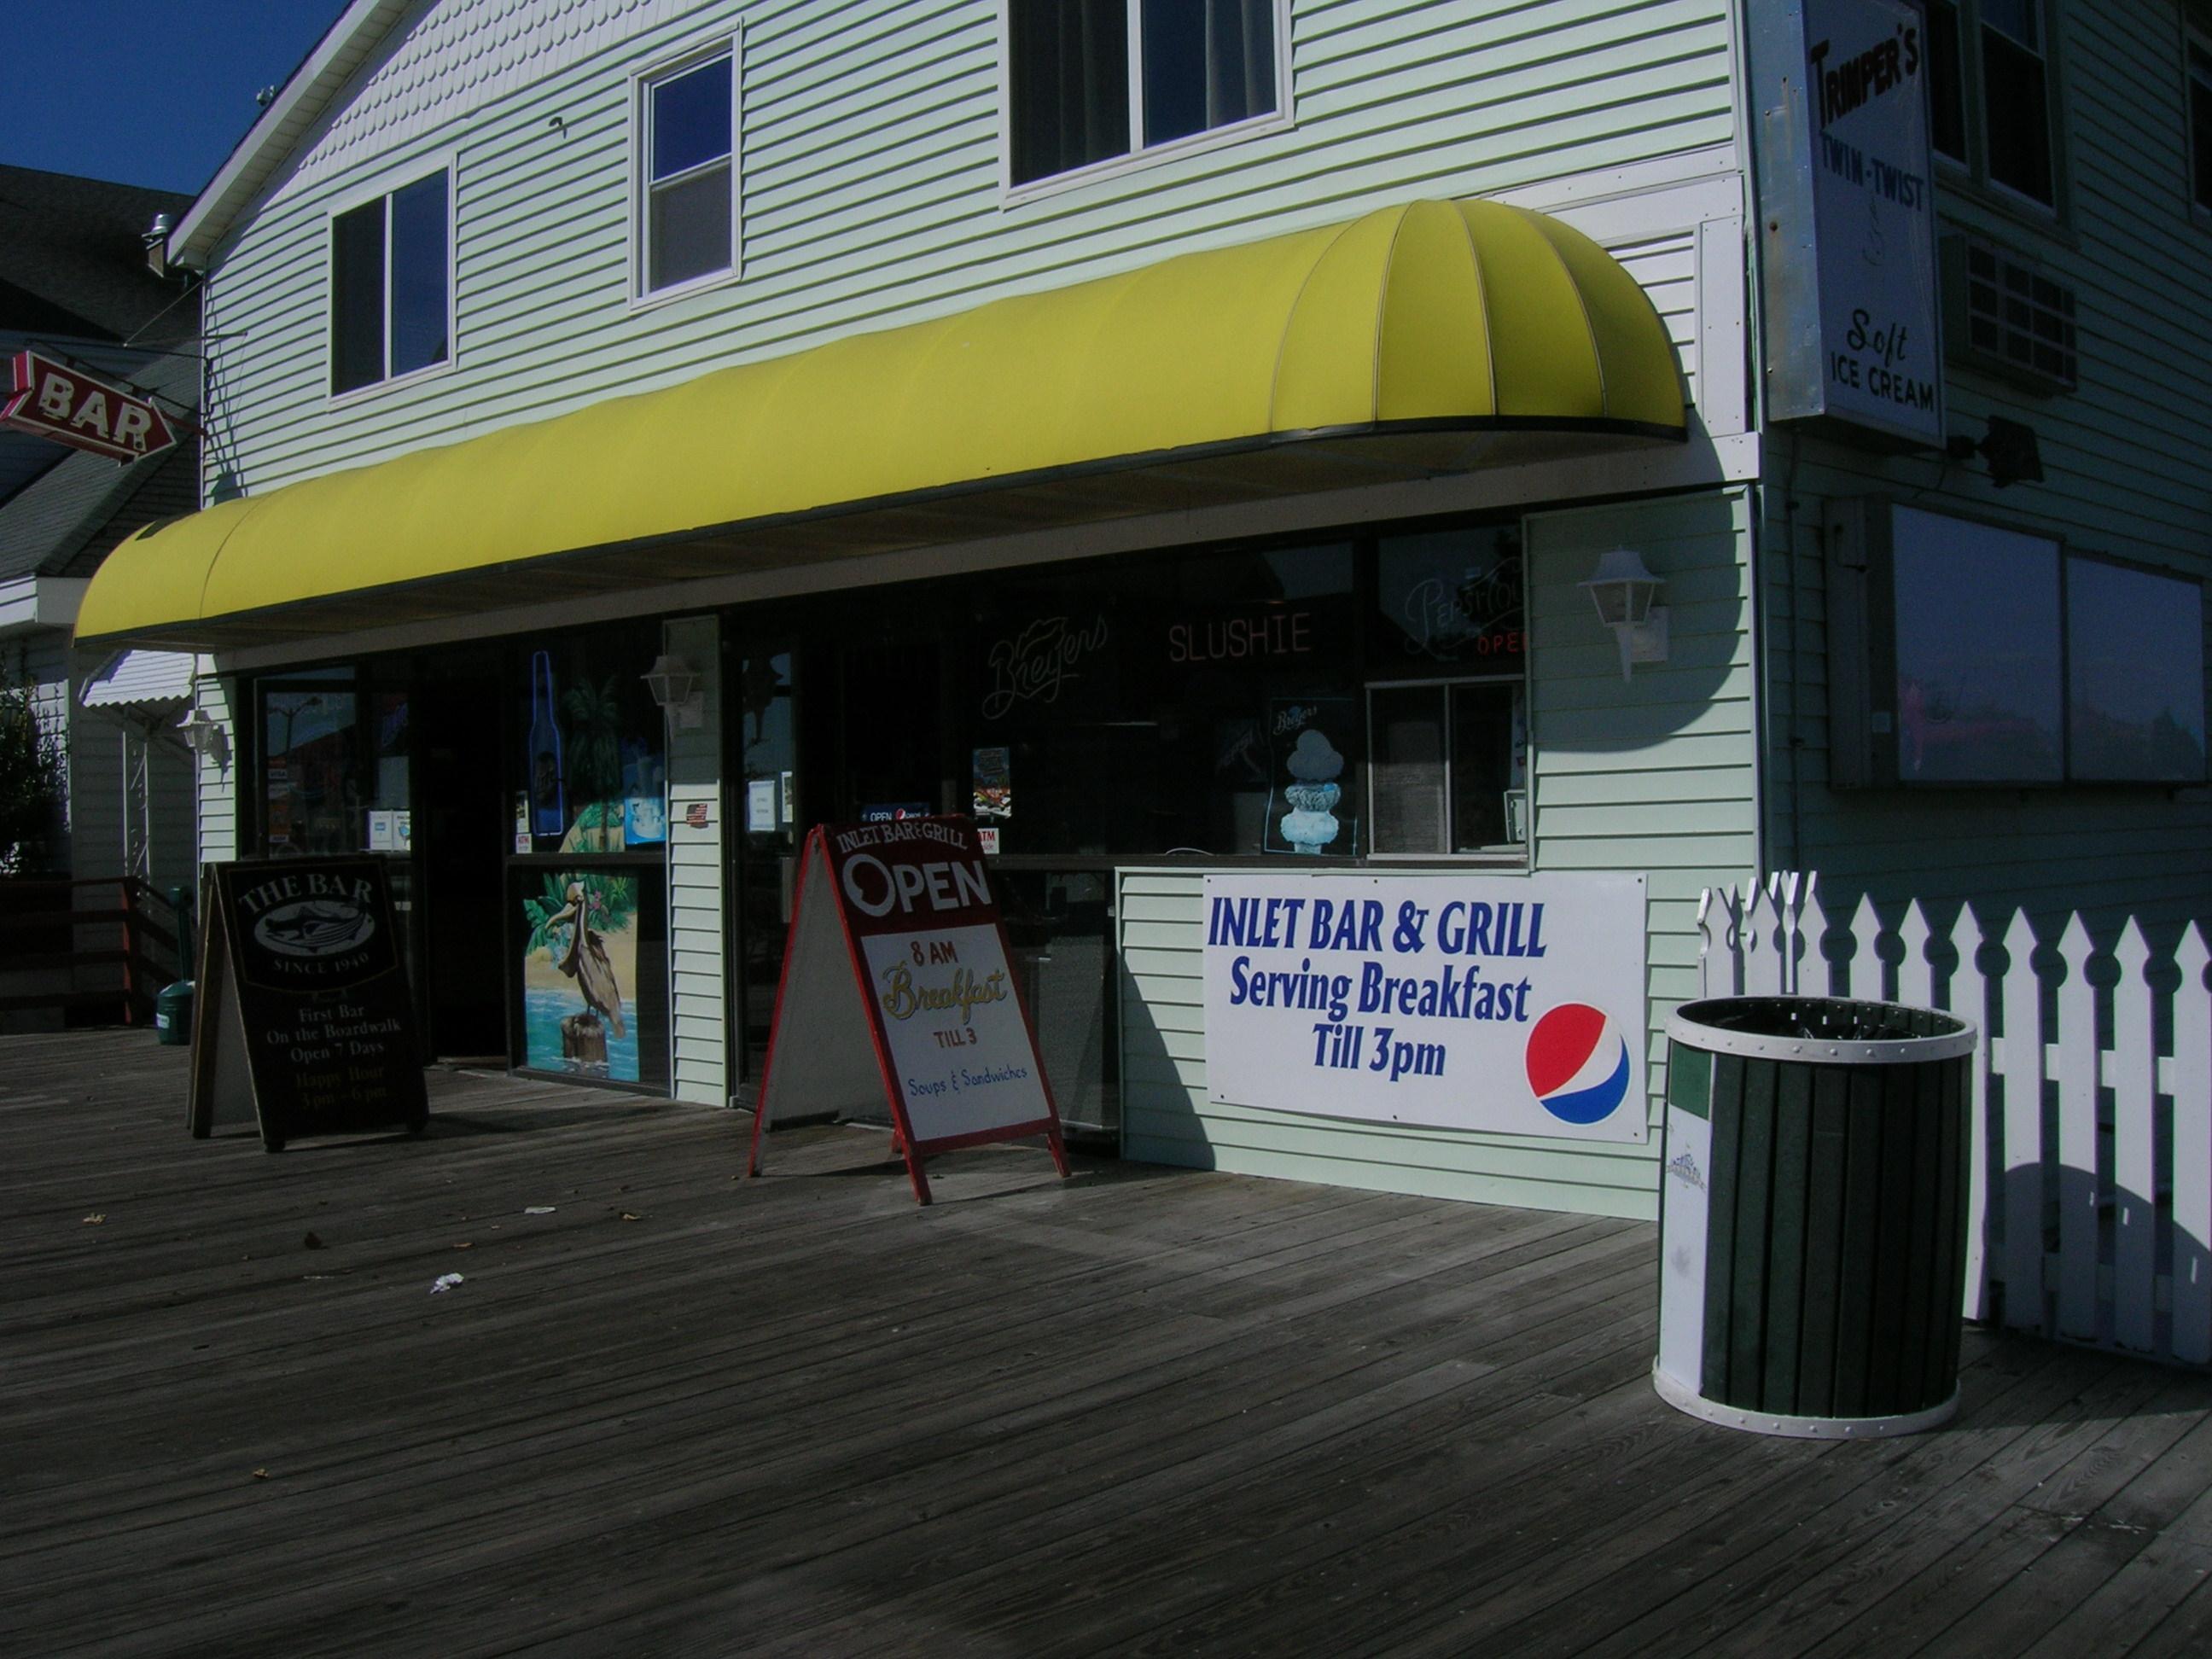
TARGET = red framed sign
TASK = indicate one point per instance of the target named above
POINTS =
(897, 986)
(76, 407)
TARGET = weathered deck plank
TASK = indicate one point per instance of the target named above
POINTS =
(1141, 1412)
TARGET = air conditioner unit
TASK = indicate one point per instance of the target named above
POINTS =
(2001, 313)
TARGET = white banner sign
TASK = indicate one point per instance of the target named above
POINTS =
(1500, 1003)
(959, 1044)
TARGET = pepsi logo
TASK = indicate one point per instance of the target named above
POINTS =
(1577, 1063)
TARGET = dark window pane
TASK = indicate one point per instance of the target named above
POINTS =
(691, 228)
(1487, 747)
(357, 297)
(1449, 596)
(2018, 21)
(1947, 100)
(1068, 74)
(2019, 117)
(691, 118)
(311, 795)
(1208, 63)
(419, 309)
(2135, 664)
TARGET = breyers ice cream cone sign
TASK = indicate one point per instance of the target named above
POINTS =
(1510, 1005)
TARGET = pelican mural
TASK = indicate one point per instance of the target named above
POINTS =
(581, 950)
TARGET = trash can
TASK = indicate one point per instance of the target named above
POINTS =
(1813, 1215)
(172, 1014)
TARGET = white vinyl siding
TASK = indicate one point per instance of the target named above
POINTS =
(870, 152)
(699, 996)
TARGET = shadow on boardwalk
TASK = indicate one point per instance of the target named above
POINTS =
(1142, 1412)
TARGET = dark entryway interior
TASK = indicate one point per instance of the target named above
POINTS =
(460, 826)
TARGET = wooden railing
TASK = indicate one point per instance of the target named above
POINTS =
(43, 952)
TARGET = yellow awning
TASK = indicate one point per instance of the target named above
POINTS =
(1432, 337)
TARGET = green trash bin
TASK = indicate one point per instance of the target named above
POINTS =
(172, 1014)
(1813, 1215)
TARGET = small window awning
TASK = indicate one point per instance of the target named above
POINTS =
(1432, 336)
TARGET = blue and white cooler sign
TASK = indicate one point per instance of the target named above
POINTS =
(1510, 1005)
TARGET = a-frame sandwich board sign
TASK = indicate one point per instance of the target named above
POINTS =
(302, 1014)
(897, 988)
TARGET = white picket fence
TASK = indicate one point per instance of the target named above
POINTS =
(2090, 1206)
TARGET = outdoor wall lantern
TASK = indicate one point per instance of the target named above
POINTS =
(675, 687)
(205, 736)
(1622, 588)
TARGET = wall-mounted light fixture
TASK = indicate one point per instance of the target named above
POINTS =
(205, 736)
(675, 687)
(2010, 448)
(1622, 588)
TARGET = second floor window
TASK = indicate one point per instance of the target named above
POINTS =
(1989, 66)
(1090, 80)
(688, 233)
(391, 285)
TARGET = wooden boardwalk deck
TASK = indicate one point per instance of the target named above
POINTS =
(1147, 1412)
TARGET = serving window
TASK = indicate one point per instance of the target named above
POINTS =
(1965, 653)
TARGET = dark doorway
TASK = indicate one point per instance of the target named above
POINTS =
(461, 816)
(891, 743)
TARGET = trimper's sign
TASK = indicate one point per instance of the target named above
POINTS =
(1507, 1003)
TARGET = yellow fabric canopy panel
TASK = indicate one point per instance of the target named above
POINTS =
(1434, 316)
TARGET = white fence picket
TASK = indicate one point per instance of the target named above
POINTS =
(2078, 1197)
(2109, 1282)
(1865, 972)
(1915, 975)
(1815, 978)
(1969, 1000)
(2191, 1086)
(2019, 1063)
(2133, 1077)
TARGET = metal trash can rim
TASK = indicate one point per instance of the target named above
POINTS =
(1719, 1025)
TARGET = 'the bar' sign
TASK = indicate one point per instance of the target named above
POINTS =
(80, 409)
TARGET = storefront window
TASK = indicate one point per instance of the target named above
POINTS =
(1450, 749)
(594, 770)
(312, 798)
(1450, 601)
(1203, 703)
(1449, 767)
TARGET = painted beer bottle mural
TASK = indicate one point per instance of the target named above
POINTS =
(548, 806)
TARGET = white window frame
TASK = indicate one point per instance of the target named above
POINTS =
(1139, 156)
(383, 188)
(1973, 96)
(729, 47)
(1509, 854)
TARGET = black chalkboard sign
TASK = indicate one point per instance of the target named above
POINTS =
(302, 1005)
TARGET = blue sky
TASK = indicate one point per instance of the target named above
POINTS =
(143, 92)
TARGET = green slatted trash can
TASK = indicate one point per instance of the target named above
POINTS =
(1813, 1215)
